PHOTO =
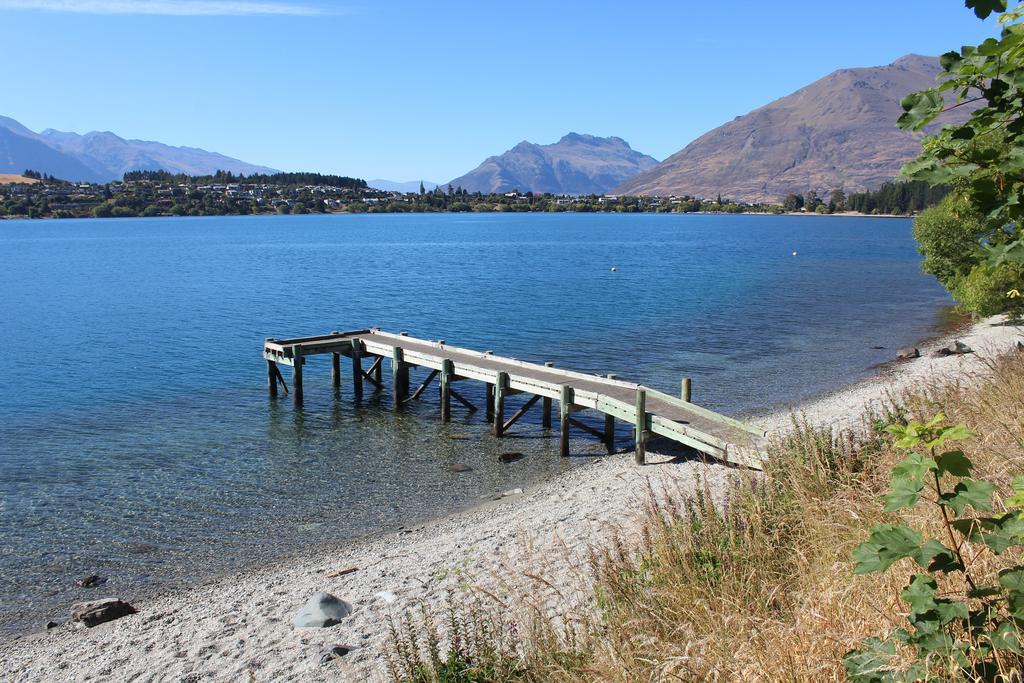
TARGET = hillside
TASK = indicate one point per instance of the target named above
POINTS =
(576, 164)
(839, 131)
(103, 156)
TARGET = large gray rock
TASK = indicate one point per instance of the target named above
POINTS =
(322, 610)
(100, 611)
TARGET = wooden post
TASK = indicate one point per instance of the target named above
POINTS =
(272, 378)
(641, 426)
(397, 390)
(489, 410)
(609, 425)
(336, 370)
(297, 361)
(447, 370)
(686, 389)
(500, 389)
(545, 419)
(357, 367)
(378, 374)
(564, 406)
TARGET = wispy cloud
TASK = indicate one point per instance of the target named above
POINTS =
(166, 7)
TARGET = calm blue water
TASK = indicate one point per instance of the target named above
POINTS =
(137, 440)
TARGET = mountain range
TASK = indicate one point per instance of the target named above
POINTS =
(103, 156)
(838, 132)
(576, 164)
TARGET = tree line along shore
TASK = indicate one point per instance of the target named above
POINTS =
(158, 193)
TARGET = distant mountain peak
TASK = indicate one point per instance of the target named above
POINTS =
(838, 132)
(577, 164)
(102, 156)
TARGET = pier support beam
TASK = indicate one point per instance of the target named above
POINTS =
(298, 361)
(489, 409)
(399, 390)
(336, 370)
(564, 408)
(609, 424)
(500, 391)
(447, 371)
(357, 367)
(377, 370)
(545, 420)
(686, 390)
(641, 426)
(272, 378)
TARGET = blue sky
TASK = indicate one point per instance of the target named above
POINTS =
(408, 90)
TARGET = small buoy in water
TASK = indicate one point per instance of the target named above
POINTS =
(794, 253)
(613, 269)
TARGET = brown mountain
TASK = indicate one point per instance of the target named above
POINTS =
(839, 131)
(576, 164)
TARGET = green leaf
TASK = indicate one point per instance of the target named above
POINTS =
(998, 533)
(950, 610)
(974, 492)
(1017, 499)
(935, 557)
(983, 8)
(920, 593)
(957, 433)
(1005, 638)
(871, 661)
(955, 463)
(907, 480)
(920, 109)
(886, 544)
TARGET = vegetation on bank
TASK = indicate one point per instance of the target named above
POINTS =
(759, 583)
(974, 240)
(159, 193)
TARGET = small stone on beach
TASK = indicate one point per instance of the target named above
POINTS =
(908, 353)
(332, 652)
(955, 349)
(100, 611)
(322, 610)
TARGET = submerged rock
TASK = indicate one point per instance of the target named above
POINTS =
(322, 610)
(908, 353)
(100, 611)
(459, 467)
(511, 457)
(91, 581)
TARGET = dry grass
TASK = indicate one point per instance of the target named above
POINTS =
(14, 178)
(755, 586)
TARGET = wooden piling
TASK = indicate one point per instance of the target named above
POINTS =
(336, 370)
(500, 390)
(378, 372)
(447, 370)
(545, 415)
(297, 362)
(641, 426)
(489, 409)
(397, 390)
(272, 378)
(686, 389)
(357, 368)
(564, 407)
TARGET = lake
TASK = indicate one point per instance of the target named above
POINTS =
(137, 440)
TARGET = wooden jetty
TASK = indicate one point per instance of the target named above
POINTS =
(646, 410)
